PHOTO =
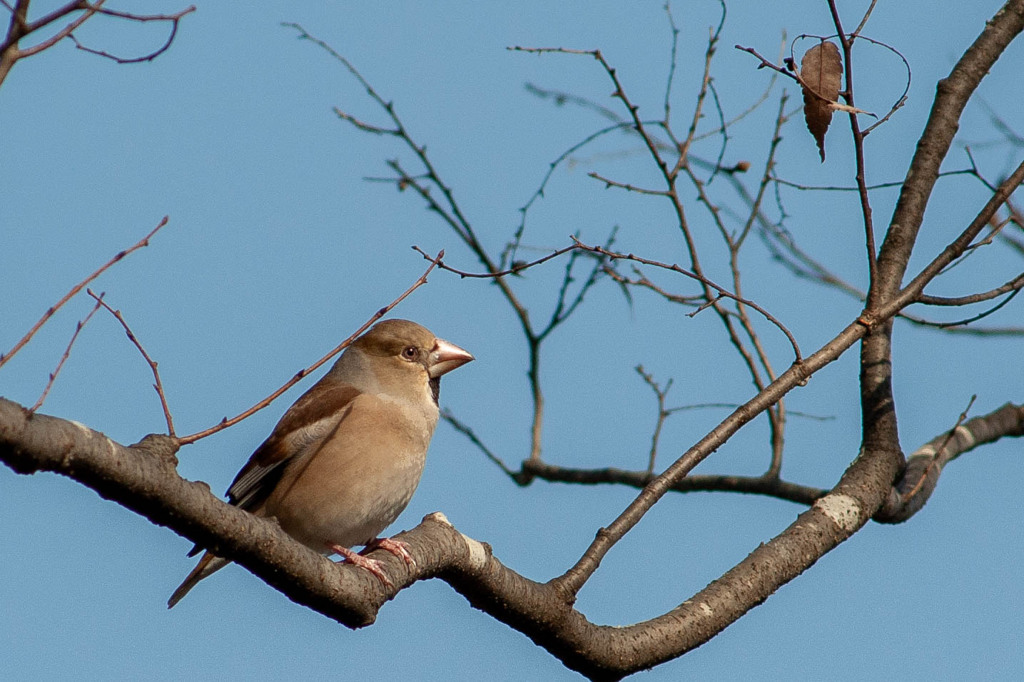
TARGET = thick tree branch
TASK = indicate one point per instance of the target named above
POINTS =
(143, 478)
(906, 497)
(921, 475)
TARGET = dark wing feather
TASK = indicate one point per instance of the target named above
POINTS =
(312, 416)
(316, 413)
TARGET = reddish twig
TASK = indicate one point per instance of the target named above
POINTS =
(158, 385)
(225, 423)
(74, 291)
(63, 358)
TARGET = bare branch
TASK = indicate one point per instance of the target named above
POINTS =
(767, 486)
(1013, 285)
(158, 385)
(516, 269)
(174, 20)
(864, 20)
(468, 432)
(20, 28)
(943, 122)
(302, 373)
(924, 466)
(721, 291)
(626, 186)
(659, 394)
(643, 282)
(960, 245)
(880, 185)
(63, 358)
(77, 288)
(19, 53)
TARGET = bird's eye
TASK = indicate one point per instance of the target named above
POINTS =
(410, 352)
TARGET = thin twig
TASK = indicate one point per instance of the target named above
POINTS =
(765, 63)
(864, 20)
(513, 247)
(626, 186)
(659, 394)
(562, 98)
(937, 460)
(563, 311)
(516, 269)
(703, 280)
(175, 19)
(858, 149)
(979, 316)
(468, 432)
(750, 485)
(225, 423)
(643, 282)
(671, 64)
(705, 83)
(1014, 284)
(63, 358)
(158, 385)
(77, 288)
(880, 185)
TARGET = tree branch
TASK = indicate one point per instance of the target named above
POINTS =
(952, 94)
(143, 478)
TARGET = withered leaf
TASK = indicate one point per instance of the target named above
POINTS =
(822, 70)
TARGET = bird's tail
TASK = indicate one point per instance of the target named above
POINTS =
(208, 565)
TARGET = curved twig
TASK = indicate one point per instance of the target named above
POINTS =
(798, 357)
(158, 385)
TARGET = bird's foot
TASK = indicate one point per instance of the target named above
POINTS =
(396, 547)
(357, 559)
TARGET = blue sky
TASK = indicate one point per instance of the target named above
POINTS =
(277, 249)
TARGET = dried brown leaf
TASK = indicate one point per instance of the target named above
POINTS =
(821, 71)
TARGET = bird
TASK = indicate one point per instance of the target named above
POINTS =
(347, 456)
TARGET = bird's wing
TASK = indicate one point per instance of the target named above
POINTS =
(316, 414)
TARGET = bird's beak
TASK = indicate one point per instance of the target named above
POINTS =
(444, 357)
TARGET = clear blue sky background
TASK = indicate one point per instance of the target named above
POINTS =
(277, 249)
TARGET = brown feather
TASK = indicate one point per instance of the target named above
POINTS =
(267, 464)
(344, 460)
(208, 565)
(261, 473)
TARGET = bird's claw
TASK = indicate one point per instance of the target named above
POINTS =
(396, 547)
(357, 559)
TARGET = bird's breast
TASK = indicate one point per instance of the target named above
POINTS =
(358, 480)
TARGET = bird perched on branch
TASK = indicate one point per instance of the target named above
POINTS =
(345, 459)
